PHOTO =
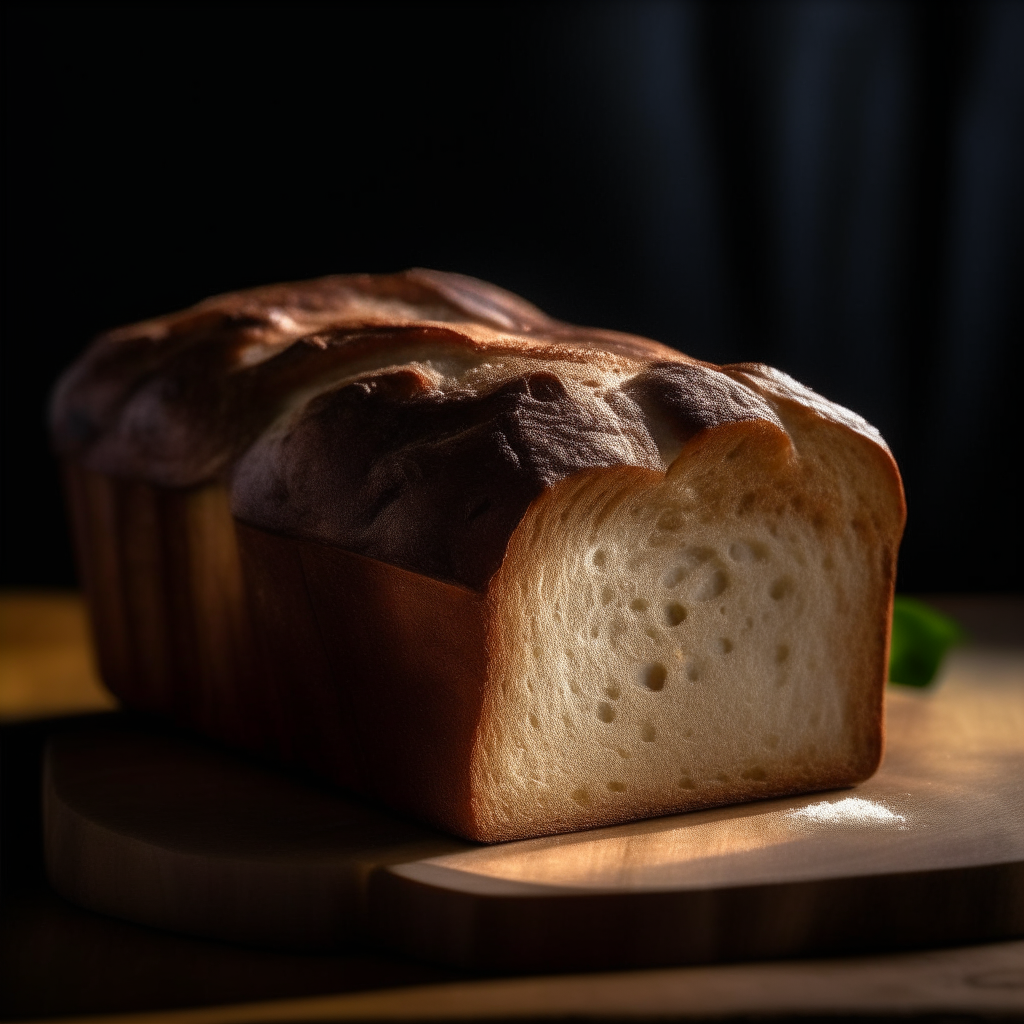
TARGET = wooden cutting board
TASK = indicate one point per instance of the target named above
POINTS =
(161, 830)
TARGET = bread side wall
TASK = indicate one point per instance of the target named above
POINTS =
(364, 673)
(377, 672)
(166, 600)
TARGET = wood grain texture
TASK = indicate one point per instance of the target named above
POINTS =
(929, 852)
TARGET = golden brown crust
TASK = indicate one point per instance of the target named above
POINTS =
(318, 398)
(174, 399)
(436, 481)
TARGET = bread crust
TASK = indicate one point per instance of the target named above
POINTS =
(392, 447)
(261, 385)
(173, 400)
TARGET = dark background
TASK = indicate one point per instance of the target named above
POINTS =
(835, 188)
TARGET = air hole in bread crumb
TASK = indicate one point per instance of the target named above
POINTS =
(655, 677)
(534, 722)
(747, 551)
(721, 777)
(575, 688)
(648, 733)
(694, 672)
(781, 588)
(689, 559)
(674, 613)
(724, 645)
(638, 604)
(661, 539)
(622, 753)
(605, 712)
(607, 595)
(595, 632)
(613, 691)
(670, 519)
(713, 586)
(686, 783)
(568, 723)
(600, 559)
(582, 797)
(616, 787)
(756, 774)
(781, 653)
(651, 632)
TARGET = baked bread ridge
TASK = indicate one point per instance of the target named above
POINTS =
(432, 465)
(489, 454)
(174, 400)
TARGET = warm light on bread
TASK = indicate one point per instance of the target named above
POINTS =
(512, 576)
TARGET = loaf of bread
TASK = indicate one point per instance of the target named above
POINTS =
(507, 575)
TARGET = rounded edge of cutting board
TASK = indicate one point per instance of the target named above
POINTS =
(928, 853)
(160, 830)
(429, 912)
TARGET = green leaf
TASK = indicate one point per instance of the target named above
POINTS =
(921, 636)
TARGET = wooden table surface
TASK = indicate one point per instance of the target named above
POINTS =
(60, 962)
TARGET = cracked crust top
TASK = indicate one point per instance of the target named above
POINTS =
(410, 417)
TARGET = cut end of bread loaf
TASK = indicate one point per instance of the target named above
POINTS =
(665, 643)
